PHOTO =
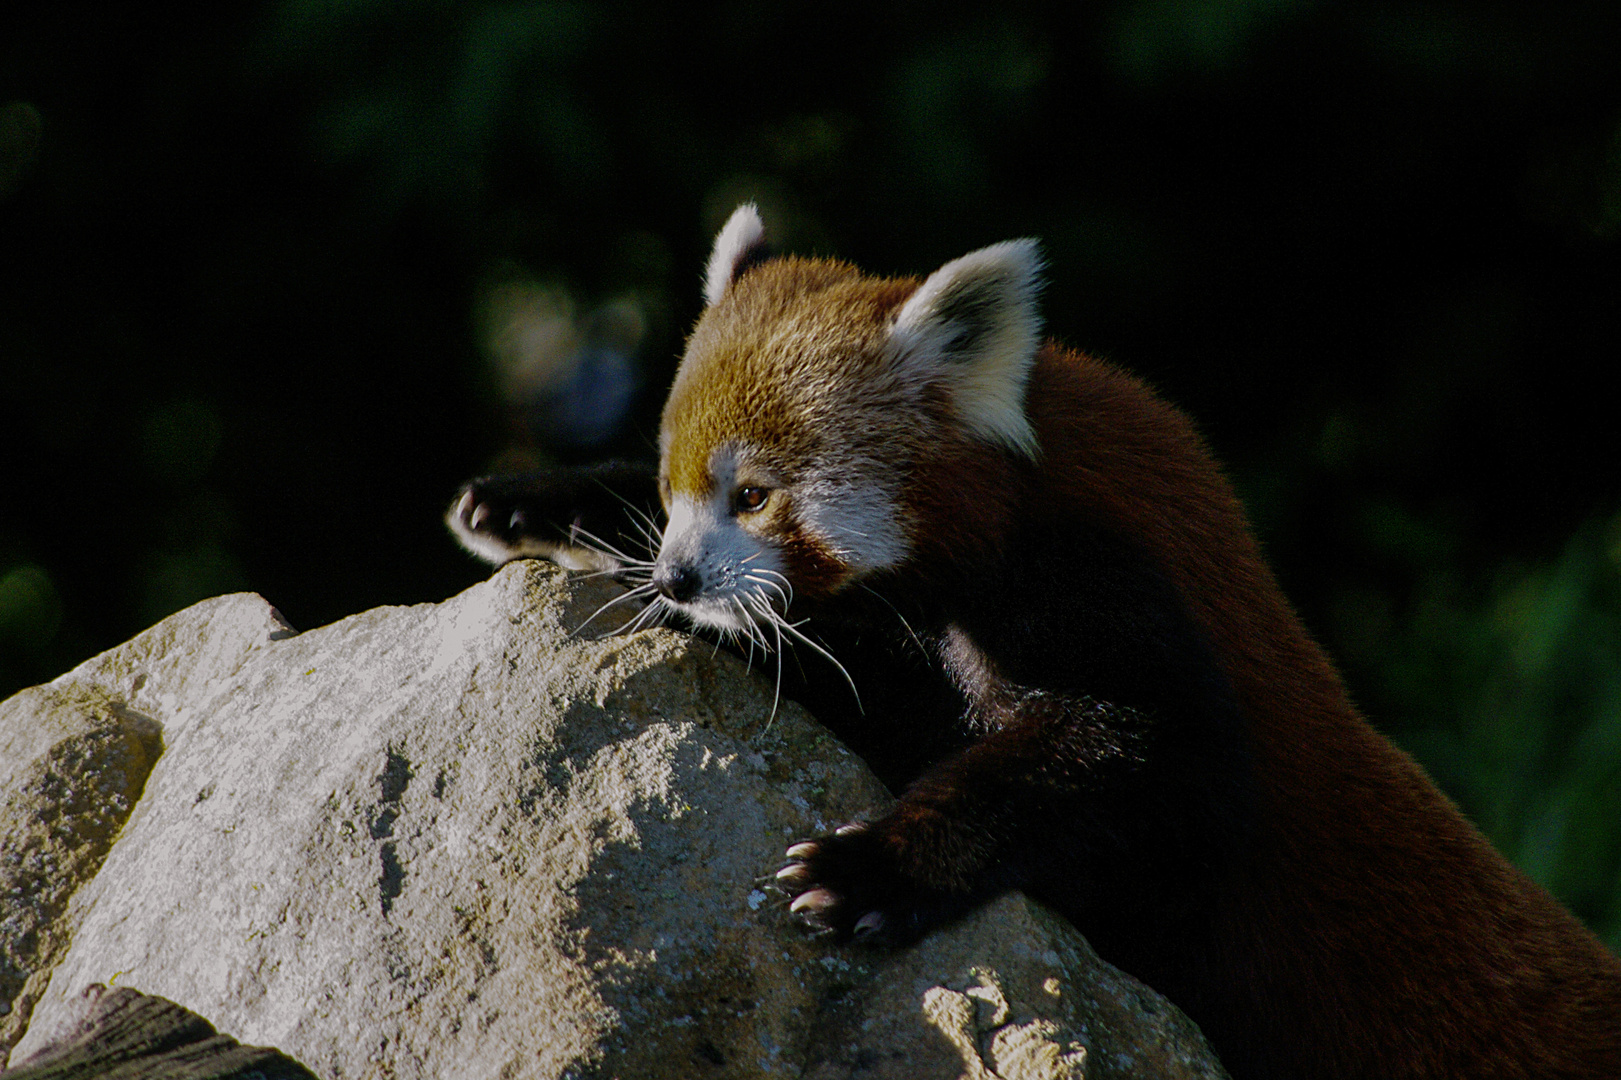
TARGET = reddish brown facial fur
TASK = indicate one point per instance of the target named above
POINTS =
(756, 365)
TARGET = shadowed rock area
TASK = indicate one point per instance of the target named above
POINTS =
(459, 840)
(128, 1035)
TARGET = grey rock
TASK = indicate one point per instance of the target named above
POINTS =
(73, 761)
(1013, 992)
(462, 840)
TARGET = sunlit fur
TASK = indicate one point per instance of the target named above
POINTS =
(742, 234)
(833, 390)
(978, 313)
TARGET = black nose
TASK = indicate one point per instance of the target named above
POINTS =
(678, 582)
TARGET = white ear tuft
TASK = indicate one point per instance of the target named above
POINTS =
(741, 237)
(974, 326)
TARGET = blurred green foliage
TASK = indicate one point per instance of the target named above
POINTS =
(270, 274)
(1508, 689)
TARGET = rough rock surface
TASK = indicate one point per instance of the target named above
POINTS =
(458, 840)
(73, 761)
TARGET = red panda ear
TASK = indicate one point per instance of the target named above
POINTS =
(741, 243)
(974, 326)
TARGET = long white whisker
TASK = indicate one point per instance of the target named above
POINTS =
(648, 536)
(753, 579)
(632, 594)
(640, 517)
(793, 629)
(766, 571)
(786, 586)
(623, 571)
(647, 522)
(754, 626)
(784, 597)
(653, 614)
(647, 529)
(747, 630)
(910, 632)
(605, 548)
(763, 606)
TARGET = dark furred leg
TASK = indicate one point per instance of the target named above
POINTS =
(1113, 793)
(1068, 790)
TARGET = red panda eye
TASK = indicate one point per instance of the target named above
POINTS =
(750, 499)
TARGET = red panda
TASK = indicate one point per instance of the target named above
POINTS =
(1071, 663)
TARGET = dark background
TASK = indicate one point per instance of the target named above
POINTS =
(270, 275)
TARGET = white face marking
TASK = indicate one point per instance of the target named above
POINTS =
(740, 570)
(737, 571)
(857, 522)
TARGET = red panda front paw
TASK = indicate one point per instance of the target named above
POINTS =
(849, 887)
(584, 518)
(490, 520)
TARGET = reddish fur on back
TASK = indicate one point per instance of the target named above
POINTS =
(1373, 928)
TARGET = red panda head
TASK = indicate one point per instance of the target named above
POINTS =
(811, 397)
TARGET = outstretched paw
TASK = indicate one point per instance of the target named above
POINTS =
(849, 886)
(580, 518)
(492, 524)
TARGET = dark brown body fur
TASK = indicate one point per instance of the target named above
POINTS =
(1370, 930)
